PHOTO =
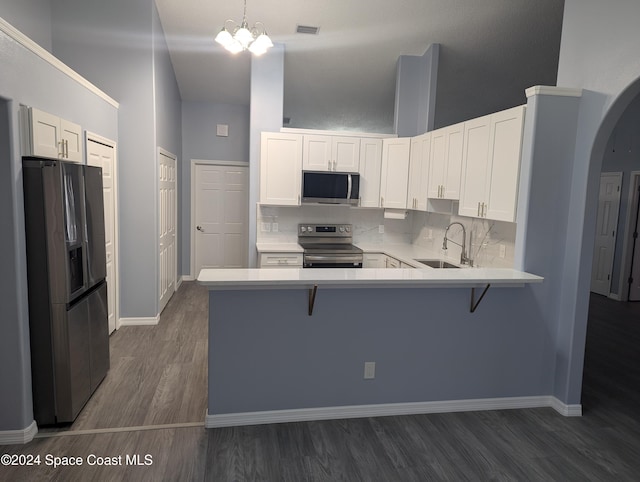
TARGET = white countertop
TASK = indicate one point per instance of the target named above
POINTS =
(219, 279)
(407, 253)
(278, 248)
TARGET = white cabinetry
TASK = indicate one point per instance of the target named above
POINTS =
(446, 162)
(373, 260)
(280, 168)
(395, 173)
(491, 164)
(370, 170)
(391, 262)
(331, 153)
(280, 260)
(419, 172)
(50, 136)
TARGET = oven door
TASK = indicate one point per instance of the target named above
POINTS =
(332, 261)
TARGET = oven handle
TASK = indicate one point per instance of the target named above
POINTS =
(334, 257)
(349, 186)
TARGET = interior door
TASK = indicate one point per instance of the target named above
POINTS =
(168, 228)
(220, 216)
(103, 155)
(606, 229)
(634, 282)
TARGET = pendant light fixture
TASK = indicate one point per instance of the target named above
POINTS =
(240, 37)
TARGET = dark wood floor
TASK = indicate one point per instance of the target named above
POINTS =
(537, 444)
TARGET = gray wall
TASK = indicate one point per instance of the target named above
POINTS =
(621, 155)
(26, 79)
(416, 78)
(112, 44)
(199, 140)
(31, 17)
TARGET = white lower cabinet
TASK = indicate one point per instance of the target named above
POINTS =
(373, 260)
(280, 260)
(391, 262)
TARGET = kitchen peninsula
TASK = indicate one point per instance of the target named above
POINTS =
(303, 344)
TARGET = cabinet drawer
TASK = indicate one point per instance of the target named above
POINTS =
(281, 260)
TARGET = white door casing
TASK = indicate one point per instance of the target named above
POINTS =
(101, 152)
(167, 226)
(220, 214)
(606, 231)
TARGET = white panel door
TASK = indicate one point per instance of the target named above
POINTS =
(221, 216)
(168, 227)
(102, 155)
(606, 228)
(370, 170)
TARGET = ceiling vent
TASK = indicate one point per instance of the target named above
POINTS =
(308, 30)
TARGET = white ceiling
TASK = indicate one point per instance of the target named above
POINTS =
(491, 50)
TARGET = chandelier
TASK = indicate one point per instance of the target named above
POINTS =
(240, 37)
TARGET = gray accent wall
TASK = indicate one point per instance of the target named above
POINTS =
(31, 17)
(199, 140)
(26, 79)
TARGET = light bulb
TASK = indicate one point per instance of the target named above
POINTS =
(243, 36)
(224, 37)
(234, 47)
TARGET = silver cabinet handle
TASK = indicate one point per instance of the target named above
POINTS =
(329, 163)
(381, 201)
(66, 144)
(478, 208)
(61, 151)
(298, 198)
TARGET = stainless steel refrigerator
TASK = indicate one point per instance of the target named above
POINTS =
(66, 271)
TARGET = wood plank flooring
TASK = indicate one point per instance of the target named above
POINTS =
(536, 444)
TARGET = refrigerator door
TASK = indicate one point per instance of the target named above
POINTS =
(99, 333)
(94, 235)
(73, 205)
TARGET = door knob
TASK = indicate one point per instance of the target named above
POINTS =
(199, 228)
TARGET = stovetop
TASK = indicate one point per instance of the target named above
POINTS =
(342, 248)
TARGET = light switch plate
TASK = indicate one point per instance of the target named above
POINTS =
(222, 130)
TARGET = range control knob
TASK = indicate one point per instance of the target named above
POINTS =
(302, 229)
(309, 228)
(347, 228)
(342, 229)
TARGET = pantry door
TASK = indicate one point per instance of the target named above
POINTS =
(220, 213)
(168, 208)
(101, 152)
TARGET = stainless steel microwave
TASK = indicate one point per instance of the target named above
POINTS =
(330, 187)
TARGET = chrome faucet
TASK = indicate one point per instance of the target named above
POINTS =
(464, 258)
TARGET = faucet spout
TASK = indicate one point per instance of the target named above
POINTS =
(464, 258)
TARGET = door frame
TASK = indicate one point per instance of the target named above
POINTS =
(192, 217)
(627, 245)
(91, 136)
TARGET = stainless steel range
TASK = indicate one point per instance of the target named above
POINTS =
(328, 246)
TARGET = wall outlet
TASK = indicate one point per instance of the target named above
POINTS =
(381, 228)
(369, 370)
(503, 250)
(274, 227)
(265, 227)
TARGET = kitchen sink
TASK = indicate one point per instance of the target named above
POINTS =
(436, 263)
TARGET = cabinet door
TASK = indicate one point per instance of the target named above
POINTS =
(45, 134)
(71, 137)
(395, 173)
(280, 168)
(316, 155)
(373, 260)
(505, 149)
(391, 262)
(280, 260)
(437, 161)
(345, 154)
(475, 165)
(370, 171)
(453, 166)
(415, 173)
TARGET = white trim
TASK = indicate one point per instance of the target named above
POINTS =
(374, 135)
(387, 409)
(139, 428)
(192, 206)
(187, 278)
(91, 136)
(45, 55)
(614, 296)
(14, 437)
(625, 264)
(552, 90)
(141, 321)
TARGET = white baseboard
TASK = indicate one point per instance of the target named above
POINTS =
(15, 437)
(187, 277)
(614, 296)
(387, 409)
(148, 321)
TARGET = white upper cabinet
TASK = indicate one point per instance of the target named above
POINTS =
(331, 153)
(370, 171)
(395, 173)
(491, 165)
(419, 172)
(446, 162)
(280, 168)
(51, 136)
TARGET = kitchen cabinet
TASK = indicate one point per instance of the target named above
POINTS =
(419, 172)
(331, 153)
(373, 260)
(391, 262)
(395, 172)
(370, 171)
(280, 168)
(280, 260)
(491, 165)
(50, 136)
(445, 164)
(406, 265)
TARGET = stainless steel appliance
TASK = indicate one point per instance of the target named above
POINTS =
(328, 246)
(330, 187)
(66, 271)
